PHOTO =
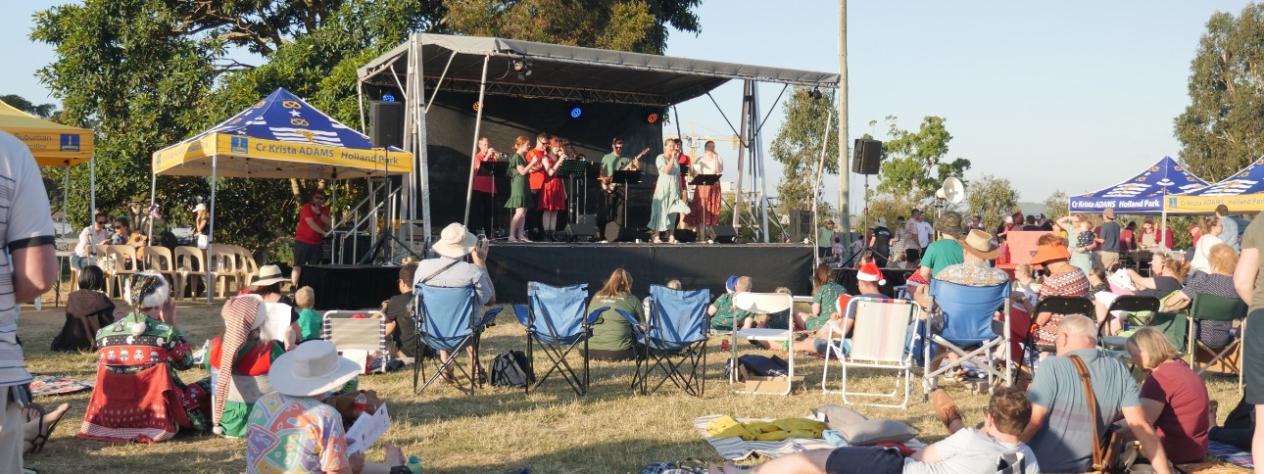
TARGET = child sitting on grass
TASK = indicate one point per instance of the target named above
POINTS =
(309, 321)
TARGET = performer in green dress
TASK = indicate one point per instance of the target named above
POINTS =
(519, 196)
(667, 205)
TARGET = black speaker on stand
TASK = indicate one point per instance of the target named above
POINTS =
(386, 129)
(866, 160)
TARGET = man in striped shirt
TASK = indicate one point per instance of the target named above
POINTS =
(27, 267)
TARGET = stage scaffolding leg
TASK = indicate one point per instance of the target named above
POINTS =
(744, 122)
(210, 241)
(757, 154)
(478, 128)
(816, 191)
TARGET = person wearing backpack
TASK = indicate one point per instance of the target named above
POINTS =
(612, 333)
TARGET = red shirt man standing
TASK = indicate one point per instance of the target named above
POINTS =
(314, 223)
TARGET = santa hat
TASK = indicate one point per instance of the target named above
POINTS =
(147, 290)
(869, 272)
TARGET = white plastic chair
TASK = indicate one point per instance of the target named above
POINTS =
(764, 303)
(358, 336)
(879, 340)
(190, 267)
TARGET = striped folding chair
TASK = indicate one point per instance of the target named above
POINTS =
(880, 339)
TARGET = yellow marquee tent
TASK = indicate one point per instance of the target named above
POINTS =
(53, 144)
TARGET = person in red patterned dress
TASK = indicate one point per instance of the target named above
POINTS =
(138, 396)
(1064, 279)
(536, 174)
(553, 194)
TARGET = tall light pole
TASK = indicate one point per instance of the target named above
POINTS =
(844, 171)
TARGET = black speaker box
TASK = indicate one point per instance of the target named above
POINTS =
(386, 125)
(867, 157)
(584, 229)
(725, 234)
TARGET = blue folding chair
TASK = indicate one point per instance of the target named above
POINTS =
(448, 319)
(557, 320)
(675, 337)
(967, 313)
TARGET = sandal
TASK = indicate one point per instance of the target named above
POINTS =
(35, 412)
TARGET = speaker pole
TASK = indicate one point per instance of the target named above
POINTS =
(478, 125)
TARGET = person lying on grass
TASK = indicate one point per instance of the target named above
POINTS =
(966, 450)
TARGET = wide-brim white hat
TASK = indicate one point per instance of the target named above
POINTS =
(455, 241)
(268, 275)
(312, 368)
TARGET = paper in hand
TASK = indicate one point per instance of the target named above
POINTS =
(367, 429)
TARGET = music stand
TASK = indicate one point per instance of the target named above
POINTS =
(492, 168)
(626, 178)
(703, 180)
(577, 172)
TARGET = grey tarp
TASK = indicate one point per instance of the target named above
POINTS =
(572, 72)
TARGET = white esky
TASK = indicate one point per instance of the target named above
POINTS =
(1070, 96)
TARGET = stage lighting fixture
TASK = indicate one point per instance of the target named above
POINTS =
(576, 112)
(521, 67)
(651, 118)
(388, 97)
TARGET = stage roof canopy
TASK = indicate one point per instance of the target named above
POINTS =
(1143, 193)
(570, 72)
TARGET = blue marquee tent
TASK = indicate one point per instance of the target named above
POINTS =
(1141, 194)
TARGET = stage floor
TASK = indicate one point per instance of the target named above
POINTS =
(696, 265)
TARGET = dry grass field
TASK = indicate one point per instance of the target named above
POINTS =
(610, 430)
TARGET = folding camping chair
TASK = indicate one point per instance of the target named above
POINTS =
(448, 319)
(1063, 305)
(967, 322)
(879, 340)
(557, 319)
(763, 303)
(1207, 307)
(359, 336)
(1127, 304)
(675, 336)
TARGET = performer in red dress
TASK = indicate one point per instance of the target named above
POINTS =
(484, 190)
(553, 194)
(706, 198)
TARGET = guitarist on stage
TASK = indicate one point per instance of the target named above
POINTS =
(612, 162)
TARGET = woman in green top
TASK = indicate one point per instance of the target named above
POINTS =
(612, 333)
(519, 195)
(824, 293)
(724, 315)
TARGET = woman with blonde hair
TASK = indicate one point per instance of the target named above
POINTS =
(612, 333)
(1219, 282)
(667, 204)
(1173, 397)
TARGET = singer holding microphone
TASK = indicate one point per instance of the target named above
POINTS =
(483, 204)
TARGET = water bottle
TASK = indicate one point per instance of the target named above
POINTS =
(361, 404)
(414, 464)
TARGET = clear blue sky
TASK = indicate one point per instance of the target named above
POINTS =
(1070, 96)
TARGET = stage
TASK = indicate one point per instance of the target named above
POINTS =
(512, 265)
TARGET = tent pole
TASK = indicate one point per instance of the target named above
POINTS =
(1163, 227)
(210, 241)
(478, 127)
(92, 187)
(65, 200)
(153, 195)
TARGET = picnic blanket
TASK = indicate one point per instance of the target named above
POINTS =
(1230, 454)
(735, 449)
(47, 385)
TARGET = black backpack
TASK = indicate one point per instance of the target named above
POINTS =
(512, 369)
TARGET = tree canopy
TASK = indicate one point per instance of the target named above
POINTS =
(798, 147)
(992, 198)
(915, 163)
(147, 73)
(44, 111)
(1222, 129)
